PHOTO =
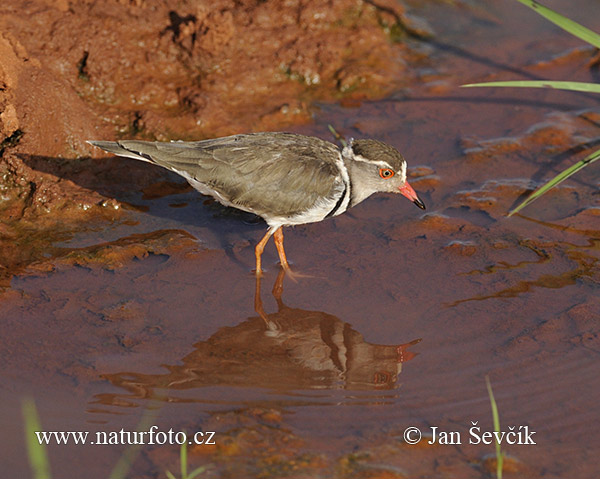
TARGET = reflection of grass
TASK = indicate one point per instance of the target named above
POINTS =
(496, 417)
(584, 34)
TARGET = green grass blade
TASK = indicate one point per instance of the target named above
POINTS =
(496, 418)
(337, 136)
(36, 452)
(588, 160)
(558, 85)
(566, 24)
(183, 464)
(183, 460)
(197, 471)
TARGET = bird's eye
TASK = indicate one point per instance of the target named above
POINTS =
(386, 173)
(381, 377)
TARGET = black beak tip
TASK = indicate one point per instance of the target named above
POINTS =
(419, 203)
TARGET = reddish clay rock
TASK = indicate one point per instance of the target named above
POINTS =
(196, 69)
(10, 67)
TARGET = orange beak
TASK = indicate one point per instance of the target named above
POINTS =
(410, 193)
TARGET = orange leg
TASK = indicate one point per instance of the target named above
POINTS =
(258, 251)
(278, 237)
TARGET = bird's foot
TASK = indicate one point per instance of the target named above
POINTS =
(287, 271)
(293, 275)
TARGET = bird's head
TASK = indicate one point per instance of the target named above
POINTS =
(377, 167)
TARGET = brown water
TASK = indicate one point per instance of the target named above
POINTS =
(401, 317)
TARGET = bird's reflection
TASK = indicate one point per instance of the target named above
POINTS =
(288, 350)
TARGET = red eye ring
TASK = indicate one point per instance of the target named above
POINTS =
(386, 173)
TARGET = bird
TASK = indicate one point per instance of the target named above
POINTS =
(285, 178)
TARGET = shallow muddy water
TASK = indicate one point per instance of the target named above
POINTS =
(400, 317)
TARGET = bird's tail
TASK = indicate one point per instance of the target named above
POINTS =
(126, 149)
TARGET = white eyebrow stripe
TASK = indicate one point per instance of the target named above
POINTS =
(403, 171)
(382, 164)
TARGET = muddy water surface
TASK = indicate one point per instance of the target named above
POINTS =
(401, 316)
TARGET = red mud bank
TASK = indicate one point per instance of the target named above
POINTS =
(72, 71)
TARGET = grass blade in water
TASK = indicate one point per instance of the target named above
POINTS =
(557, 180)
(496, 418)
(565, 23)
(558, 85)
(36, 452)
(337, 136)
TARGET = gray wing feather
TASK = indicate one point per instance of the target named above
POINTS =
(292, 174)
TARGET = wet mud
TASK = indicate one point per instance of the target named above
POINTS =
(140, 307)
